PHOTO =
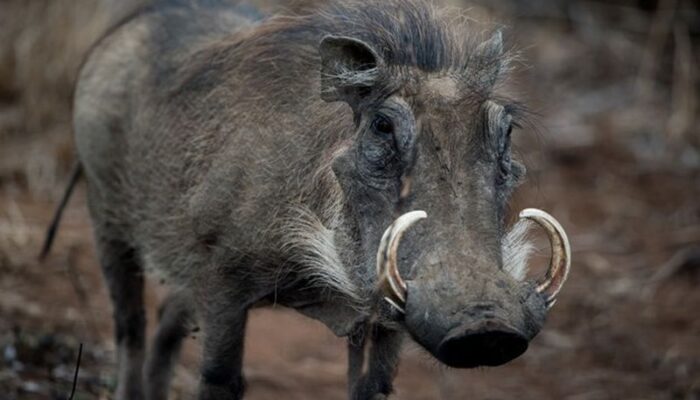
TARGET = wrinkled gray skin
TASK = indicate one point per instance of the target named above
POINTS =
(251, 161)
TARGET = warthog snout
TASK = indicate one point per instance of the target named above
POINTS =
(480, 319)
(485, 343)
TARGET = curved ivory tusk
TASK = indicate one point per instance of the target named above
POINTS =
(560, 262)
(389, 279)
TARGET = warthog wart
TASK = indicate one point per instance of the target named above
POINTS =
(352, 162)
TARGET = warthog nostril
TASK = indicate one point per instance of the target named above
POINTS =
(486, 346)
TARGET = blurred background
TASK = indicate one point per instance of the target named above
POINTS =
(614, 153)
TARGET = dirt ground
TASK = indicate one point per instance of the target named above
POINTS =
(613, 152)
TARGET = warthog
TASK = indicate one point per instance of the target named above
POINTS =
(251, 161)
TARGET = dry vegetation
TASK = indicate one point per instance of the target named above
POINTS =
(614, 154)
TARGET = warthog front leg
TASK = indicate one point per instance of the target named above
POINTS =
(373, 356)
(224, 319)
(176, 322)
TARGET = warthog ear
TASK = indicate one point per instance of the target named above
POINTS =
(493, 62)
(349, 69)
(493, 46)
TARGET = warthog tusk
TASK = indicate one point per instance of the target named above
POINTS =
(389, 279)
(560, 262)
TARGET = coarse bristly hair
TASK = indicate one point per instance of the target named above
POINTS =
(407, 35)
(517, 249)
(310, 244)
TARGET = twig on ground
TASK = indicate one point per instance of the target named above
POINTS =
(77, 368)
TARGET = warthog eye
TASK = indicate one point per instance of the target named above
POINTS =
(383, 125)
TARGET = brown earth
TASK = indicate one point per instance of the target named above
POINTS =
(613, 154)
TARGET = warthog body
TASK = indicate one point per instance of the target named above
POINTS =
(249, 161)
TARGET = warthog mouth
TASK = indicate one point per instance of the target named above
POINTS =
(394, 289)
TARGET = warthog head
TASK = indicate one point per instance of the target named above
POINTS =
(431, 135)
